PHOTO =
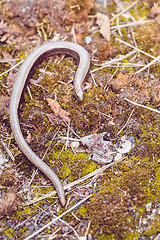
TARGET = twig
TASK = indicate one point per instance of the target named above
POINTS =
(130, 24)
(158, 237)
(54, 234)
(87, 230)
(57, 218)
(124, 10)
(64, 222)
(92, 76)
(10, 60)
(119, 4)
(104, 3)
(138, 50)
(148, 65)
(106, 64)
(7, 150)
(111, 77)
(73, 33)
(126, 122)
(72, 184)
(11, 68)
(140, 105)
(67, 141)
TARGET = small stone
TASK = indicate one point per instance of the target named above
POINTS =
(87, 40)
(148, 206)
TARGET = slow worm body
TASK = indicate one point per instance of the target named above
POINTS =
(25, 72)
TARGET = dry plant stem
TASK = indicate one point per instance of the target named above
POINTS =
(126, 122)
(87, 230)
(111, 78)
(64, 222)
(117, 24)
(11, 68)
(140, 105)
(10, 60)
(119, 4)
(7, 150)
(148, 65)
(54, 234)
(124, 10)
(106, 64)
(73, 33)
(137, 49)
(158, 237)
(57, 218)
(130, 24)
(72, 184)
(67, 141)
(93, 79)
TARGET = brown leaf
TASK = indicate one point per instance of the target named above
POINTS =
(102, 150)
(8, 203)
(58, 111)
(55, 119)
(104, 24)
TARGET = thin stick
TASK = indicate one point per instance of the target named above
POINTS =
(130, 24)
(140, 105)
(139, 50)
(57, 218)
(7, 150)
(148, 65)
(64, 222)
(106, 64)
(72, 184)
(124, 10)
(126, 122)
(73, 33)
(11, 68)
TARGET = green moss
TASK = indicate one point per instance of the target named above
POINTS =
(114, 211)
(9, 232)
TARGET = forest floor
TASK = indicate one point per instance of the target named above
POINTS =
(106, 148)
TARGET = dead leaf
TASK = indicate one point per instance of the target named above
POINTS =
(102, 151)
(8, 203)
(104, 24)
(58, 111)
(55, 119)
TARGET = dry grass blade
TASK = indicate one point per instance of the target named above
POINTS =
(140, 105)
(148, 65)
(115, 60)
(7, 150)
(76, 182)
(11, 68)
(57, 218)
(124, 10)
(138, 50)
(130, 24)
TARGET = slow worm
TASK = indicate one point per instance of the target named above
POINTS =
(36, 57)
